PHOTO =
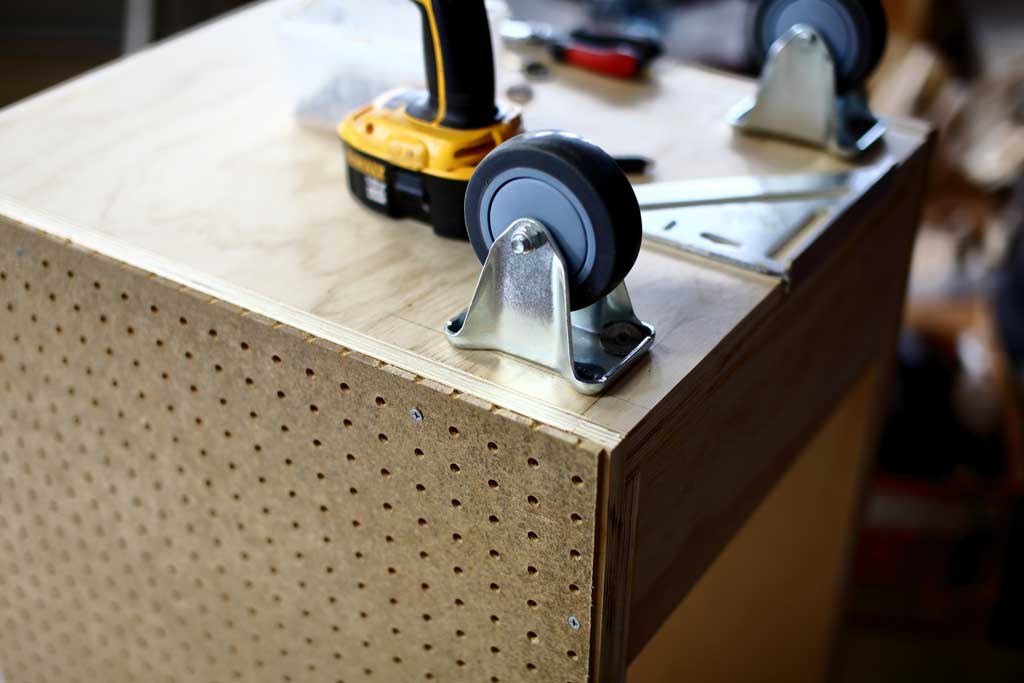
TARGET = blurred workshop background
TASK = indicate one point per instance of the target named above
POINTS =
(937, 581)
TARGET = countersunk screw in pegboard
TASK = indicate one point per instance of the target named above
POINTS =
(574, 623)
(416, 414)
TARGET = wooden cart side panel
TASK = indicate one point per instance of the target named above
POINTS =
(192, 492)
(712, 459)
(767, 607)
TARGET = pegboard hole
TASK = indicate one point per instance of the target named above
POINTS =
(269, 544)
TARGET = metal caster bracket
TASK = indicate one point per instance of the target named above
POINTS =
(521, 306)
(796, 99)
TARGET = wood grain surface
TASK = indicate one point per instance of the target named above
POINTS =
(186, 161)
(179, 179)
(776, 591)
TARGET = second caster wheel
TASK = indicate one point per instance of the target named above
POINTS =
(854, 30)
(573, 188)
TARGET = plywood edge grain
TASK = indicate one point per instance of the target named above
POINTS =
(349, 341)
(618, 505)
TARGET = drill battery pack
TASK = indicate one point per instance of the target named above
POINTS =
(405, 167)
(401, 193)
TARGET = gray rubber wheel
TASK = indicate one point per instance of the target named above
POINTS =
(854, 30)
(576, 190)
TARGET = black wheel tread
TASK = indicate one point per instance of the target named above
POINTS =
(603, 189)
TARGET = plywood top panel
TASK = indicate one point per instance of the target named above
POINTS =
(185, 160)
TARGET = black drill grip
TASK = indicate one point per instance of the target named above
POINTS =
(457, 37)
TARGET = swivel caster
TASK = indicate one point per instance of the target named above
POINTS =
(557, 227)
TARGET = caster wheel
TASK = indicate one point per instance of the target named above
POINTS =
(576, 190)
(854, 30)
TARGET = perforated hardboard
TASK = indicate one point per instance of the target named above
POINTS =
(192, 493)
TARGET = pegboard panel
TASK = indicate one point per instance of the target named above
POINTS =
(192, 493)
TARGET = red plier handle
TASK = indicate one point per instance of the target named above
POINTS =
(621, 61)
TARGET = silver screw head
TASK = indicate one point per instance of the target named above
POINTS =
(521, 93)
(416, 414)
(521, 242)
(574, 623)
(805, 35)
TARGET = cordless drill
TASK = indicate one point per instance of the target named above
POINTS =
(411, 152)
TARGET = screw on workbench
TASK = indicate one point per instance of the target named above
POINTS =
(416, 414)
(574, 623)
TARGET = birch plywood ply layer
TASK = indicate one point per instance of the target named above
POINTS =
(185, 278)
